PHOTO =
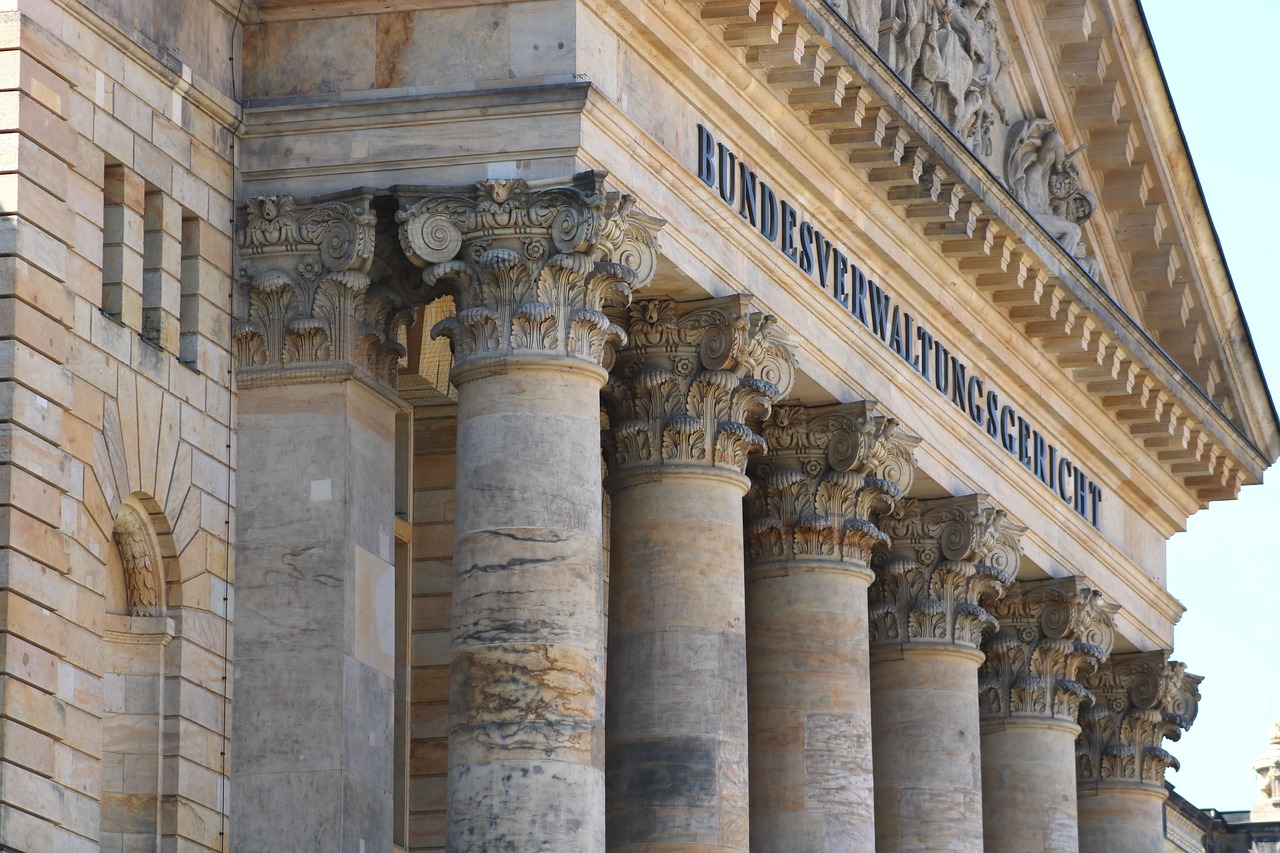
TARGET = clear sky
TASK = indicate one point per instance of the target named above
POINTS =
(1219, 61)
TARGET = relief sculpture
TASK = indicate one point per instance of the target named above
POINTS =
(949, 51)
(1042, 176)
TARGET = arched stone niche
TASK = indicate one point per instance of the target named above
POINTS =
(136, 565)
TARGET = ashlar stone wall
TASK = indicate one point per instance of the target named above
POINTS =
(116, 452)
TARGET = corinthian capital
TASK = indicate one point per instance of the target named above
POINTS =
(1049, 632)
(530, 269)
(947, 558)
(1139, 700)
(304, 268)
(693, 379)
(829, 475)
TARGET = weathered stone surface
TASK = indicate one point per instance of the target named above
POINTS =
(677, 727)
(1050, 632)
(311, 632)
(529, 271)
(811, 526)
(925, 749)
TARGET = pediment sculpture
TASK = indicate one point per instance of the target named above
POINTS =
(949, 52)
(1042, 176)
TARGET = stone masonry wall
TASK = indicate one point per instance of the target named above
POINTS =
(115, 261)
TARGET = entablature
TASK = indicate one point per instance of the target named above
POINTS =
(808, 55)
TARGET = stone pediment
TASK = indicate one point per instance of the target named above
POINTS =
(1102, 254)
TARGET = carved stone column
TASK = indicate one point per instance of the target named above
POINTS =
(530, 271)
(948, 558)
(1139, 700)
(1050, 631)
(315, 356)
(811, 527)
(680, 402)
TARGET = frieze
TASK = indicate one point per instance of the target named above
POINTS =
(892, 323)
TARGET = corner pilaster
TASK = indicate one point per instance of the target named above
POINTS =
(315, 359)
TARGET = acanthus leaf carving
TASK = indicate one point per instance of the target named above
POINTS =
(694, 384)
(828, 477)
(1138, 701)
(1049, 632)
(530, 269)
(305, 268)
(948, 556)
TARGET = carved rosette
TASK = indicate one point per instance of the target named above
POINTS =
(530, 270)
(1050, 631)
(948, 557)
(829, 475)
(304, 268)
(1139, 700)
(694, 380)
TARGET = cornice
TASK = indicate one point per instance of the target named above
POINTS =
(295, 10)
(834, 341)
(1100, 72)
(161, 63)
(913, 160)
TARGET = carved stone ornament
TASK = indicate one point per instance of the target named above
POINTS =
(1267, 767)
(304, 268)
(948, 556)
(530, 270)
(143, 583)
(694, 378)
(1050, 631)
(1044, 178)
(1139, 700)
(829, 475)
(950, 52)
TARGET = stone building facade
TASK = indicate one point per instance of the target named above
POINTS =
(645, 426)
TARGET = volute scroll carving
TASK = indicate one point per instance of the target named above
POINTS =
(531, 269)
(829, 475)
(695, 383)
(1050, 631)
(1139, 700)
(304, 270)
(948, 557)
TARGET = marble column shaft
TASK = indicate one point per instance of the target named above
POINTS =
(679, 402)
(529, 270)
(1137, 701)
(314, 645)
(1050, 631)
(811, 529)
(926, 620)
